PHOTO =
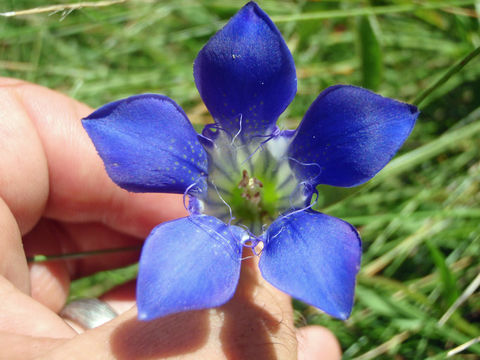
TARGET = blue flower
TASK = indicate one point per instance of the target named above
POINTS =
(249, 184)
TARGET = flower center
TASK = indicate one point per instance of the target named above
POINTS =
(250, 183)
(253, 200)
(251, 188)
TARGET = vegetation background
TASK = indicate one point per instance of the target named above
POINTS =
(419, 218)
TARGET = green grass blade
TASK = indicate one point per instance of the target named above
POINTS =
(435, 147)
(448, 279)
(374, 10)
(452, 71)
(99, 283)
(370, 53)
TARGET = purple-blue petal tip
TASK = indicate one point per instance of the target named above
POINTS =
(350, 134)
(245, 74)
(315, 258)
(191, 263)
(142, 142)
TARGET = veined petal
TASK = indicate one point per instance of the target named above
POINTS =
(188, 264)
(245, 73)
(348, 135)
(148, 145)
(315, 258)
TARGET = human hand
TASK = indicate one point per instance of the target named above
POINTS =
(55, 194)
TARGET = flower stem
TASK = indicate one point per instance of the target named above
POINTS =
(80, 255)
(452, 71)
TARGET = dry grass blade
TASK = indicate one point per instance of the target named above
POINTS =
(463, 347)
(61, 7)
(461, 299)
(429, 229)
(385, 347)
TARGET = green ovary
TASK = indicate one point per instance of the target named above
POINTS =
(254, 200)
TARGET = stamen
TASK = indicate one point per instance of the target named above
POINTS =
(251, 188)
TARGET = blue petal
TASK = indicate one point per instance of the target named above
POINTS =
(348, 135)
(148, 145)
(246, 72)
(315, 258)
(188, 264)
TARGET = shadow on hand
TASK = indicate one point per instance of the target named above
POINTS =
(246, 328)
(172, 335)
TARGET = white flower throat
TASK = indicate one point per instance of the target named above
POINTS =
(250, 182)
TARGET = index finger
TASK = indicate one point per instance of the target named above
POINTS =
(60, 171)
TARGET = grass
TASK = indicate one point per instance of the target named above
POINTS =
(419, 218)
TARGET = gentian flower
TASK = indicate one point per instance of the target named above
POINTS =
(248, 183)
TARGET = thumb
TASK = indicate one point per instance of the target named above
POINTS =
(256, 324)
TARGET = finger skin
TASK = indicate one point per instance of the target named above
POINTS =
(23, 166)
(20, 314)
(50, 281)
(23, 347)
(13, 265)
(49, 165)
(317, 343)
